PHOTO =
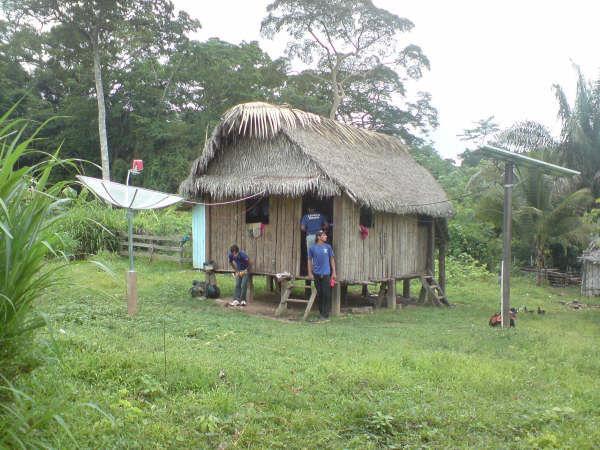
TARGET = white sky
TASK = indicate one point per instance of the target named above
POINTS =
(487, 58)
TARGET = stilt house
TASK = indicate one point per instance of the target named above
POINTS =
(296, 160)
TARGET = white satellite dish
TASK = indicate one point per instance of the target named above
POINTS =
(132, 198)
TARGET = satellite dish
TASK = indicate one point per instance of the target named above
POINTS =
(131, 198)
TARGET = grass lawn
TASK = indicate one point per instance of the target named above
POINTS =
(417, 377)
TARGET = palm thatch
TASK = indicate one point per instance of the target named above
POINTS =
(284, 151)
(592, 253)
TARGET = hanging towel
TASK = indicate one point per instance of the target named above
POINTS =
(255, 230)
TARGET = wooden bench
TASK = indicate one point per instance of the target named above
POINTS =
(287, 284)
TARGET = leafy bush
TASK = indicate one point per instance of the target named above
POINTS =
(90, 225)
(464, 268)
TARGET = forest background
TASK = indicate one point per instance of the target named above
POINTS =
(123, 79)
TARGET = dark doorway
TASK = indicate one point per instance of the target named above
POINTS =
(325, 207)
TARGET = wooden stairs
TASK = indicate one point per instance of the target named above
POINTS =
(286, 290)
(432, 291)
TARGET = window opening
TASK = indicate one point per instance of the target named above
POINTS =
(366, 217)
(257, 211)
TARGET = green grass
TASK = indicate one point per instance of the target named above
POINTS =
(417, 377)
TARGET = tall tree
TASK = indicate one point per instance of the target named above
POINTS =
(526, 136)
(480, 132)
(115, 31)
(354, 47)
(580, 134)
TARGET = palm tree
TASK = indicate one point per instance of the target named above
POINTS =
(580, 134)
(548, 211)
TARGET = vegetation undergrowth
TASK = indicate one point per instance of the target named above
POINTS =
(188, 373)
(91, 226)
(29, 204)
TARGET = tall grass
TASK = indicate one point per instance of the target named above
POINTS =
(90, 226)
(29, 204)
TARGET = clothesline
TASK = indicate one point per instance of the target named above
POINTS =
(225, 203)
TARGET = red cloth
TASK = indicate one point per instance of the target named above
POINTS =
(364, 232)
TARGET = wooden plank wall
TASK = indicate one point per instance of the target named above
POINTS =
(277, 250)
(590, 284)
(396, 245)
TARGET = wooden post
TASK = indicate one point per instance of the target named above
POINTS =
(423, 295)
(344, 293)
(391, 293)
(406, 288)
(250, 289)
(285, 294)
(336, 295)
(210, 277)
(270, 283)
(431, 249)
(442, 264)
(507, 228)
(365, 290)
(132, 307)
(381, 294)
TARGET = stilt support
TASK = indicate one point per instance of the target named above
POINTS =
(391, 294)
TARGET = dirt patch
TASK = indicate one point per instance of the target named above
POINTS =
(265, 306)
(577, 305)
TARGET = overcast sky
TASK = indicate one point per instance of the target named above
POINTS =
(487, 57)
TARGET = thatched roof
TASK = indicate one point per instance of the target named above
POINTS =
(592, 253)
(261, 147)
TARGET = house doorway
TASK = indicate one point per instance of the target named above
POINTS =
(323, 206)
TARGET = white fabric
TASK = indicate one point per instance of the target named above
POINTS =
(131, 197)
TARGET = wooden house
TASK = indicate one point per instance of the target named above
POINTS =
(289, 160)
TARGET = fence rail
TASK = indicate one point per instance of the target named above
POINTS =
(169, 248)
(555, 277)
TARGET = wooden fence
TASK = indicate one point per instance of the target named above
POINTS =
(555, 277)
(169, 248)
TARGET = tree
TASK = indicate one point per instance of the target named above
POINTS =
(353, 47)
(546, 210)
(524, 137)
(481, 131)
(117, 31)
(545, 213)
(580, 134)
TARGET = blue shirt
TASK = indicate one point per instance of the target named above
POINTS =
(313, 222)
(241, 260)
(320, 254)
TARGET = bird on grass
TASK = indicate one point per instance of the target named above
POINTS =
(541, 311)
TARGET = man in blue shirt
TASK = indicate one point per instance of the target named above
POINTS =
(310, 223)
(321, 268)
(240, 262)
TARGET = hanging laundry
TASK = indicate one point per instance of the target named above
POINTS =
(364, 232)
(255, 230)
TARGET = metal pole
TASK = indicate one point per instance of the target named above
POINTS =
(131, 275)
(507, 228)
